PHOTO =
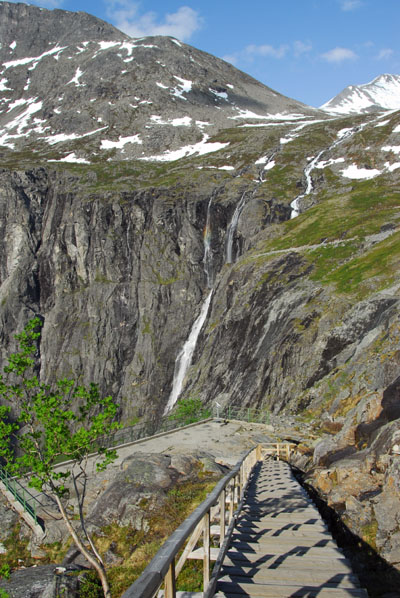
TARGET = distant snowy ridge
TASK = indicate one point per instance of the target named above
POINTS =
(383, 93)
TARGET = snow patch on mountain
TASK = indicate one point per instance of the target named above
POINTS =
(184, 121)
(354, 172)
(391, 148)
(106, 144)
(60, 137)
(184, 87)
(72, 159)
(200, 148)
(34, 59)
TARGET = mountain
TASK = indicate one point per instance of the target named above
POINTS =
(183, 230)
(78, 77)
(383, 93)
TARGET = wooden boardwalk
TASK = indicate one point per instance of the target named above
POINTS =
(281, 547)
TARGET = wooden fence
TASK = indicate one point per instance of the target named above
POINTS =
(216, 516)
(221, 505)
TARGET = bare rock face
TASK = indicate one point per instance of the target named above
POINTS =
(46, 581)
(360, 478)
(141, 486)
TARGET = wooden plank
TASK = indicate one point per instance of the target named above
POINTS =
(285, 518)
(199, 554)
(247, 535)
(305, 576)
(257, 554)
(295, 591)
(338, 564)
(280, 524)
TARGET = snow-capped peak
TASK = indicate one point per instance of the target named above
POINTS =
(383, 93)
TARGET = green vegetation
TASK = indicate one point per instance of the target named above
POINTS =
(189, 411)
(368, 533)
(64, 420)
(17, 553)
(5, 571)
(135, 548)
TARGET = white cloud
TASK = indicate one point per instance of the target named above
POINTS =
(267, 50)
(385, 53)
(300, 48)
(181, 24)
(348, 5)
(338, 55)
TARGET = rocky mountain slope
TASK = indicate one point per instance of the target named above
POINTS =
(96, 92)
(381, 93)
(151, 194)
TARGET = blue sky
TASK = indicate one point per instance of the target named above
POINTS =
(306, 49)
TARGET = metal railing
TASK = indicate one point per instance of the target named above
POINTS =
(223, 505)
(21, 494)
(151, 427)
(247, 414)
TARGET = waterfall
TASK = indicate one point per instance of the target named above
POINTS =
(307, 173)
(232, 229)
(184, 358)
(207, 258)
(313, 164)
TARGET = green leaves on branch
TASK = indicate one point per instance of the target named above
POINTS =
(42, 424)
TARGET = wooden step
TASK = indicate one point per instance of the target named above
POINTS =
(337, 564)
(284, 518)
(273, 524)
(277, 534)
(256, 553)
(229, 590)
(293, 563)
(303, 576)
(284, 544)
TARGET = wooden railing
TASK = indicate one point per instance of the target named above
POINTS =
(222, 506)
(280, 450)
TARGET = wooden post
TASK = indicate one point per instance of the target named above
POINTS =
(222, 500)
(206, 547)
(232, 497)
(277, 451)
(170, 585)
(287, 452)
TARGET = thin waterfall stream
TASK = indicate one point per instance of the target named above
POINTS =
(232, 229)
(314, 164)
(184, 358)
(185, 355)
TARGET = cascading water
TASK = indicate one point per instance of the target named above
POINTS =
(313, 164)
(232, 229)
(207, 258)
(307, 173)
(184, 359)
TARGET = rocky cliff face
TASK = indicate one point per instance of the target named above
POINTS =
(134, 181)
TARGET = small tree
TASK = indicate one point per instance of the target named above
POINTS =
(42, 424)
(190, 410)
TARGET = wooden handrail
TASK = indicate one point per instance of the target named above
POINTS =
(162, 568)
